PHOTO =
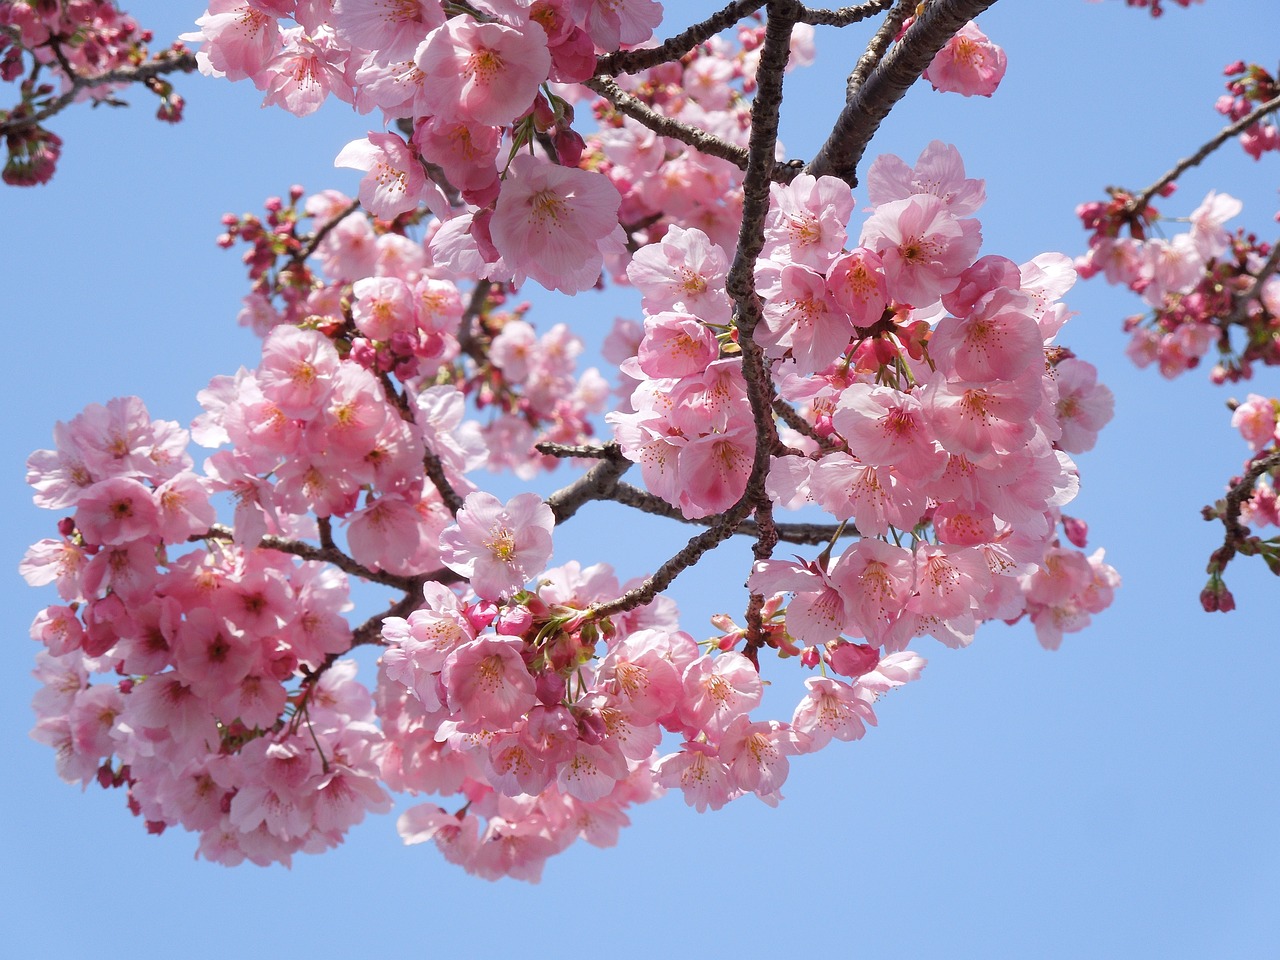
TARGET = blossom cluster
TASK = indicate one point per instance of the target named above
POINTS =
(908, 391)
(1250, 86)
(55, 50)
(933, 394)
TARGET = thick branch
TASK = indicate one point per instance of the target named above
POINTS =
(843, 16)
(888, 83)
(184, 62)
(588, 451)
(695, 137)
(596, 484)
(1139, 203)
(633, 61)
(878, 46)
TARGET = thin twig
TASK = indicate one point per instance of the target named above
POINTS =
(333, 555)
(805, 534)
(1241, 490)
(313, 242)
(664, 126)
(184, 62)
(1139, 203)
(1240, 302)
(633, 61)
(791, 416)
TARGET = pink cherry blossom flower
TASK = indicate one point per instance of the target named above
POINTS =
(833, 709)
(875, 579)
(939, 171)
(968, 64)
(923, 246)
(484, 73)
(816, 614)
(394, 182)
(719, 689)
(714, 469)
(498, 546)
(699, 772)
(800, 319)
(676, 345)
(756, 754)
(886, 427)
(1085, 406)
(297, 370)
(116, 511)
(394, 28)
(465, 150)
(238, 39)
(1256, 421)
(856, 282)
(807, 220)
(183, 508)
(307, 68)
(552, 223)
(488, 683)
(1211, 238)
(998, 340)
(978, 418)
(684, 272)
(949, 580)
(612, 23)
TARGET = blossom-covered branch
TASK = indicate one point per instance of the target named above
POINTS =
(888, 83)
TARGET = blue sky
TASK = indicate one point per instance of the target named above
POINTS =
(1115, 798)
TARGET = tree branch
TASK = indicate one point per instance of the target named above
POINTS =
(167, 63)
(633, 61)
(807, 534)
(1240, 302)
(596, 484)
(888, 83)
(314, 241)
(695, 137)
(843, 16)
(1140, 202)
(1236, 532)
(878, 46)
(333, 555)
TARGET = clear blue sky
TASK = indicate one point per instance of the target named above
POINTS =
(1117, 798)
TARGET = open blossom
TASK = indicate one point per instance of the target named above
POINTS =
(1256, 421)
(552, 223)
(488, 682)
(307, 68)
(482, 72)
(939, 171)
(394, 28)
(498, 546)
(612, 23)
(924, 248)
(683, 271)
(238, 39)
(968, 64)
(394, 182)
